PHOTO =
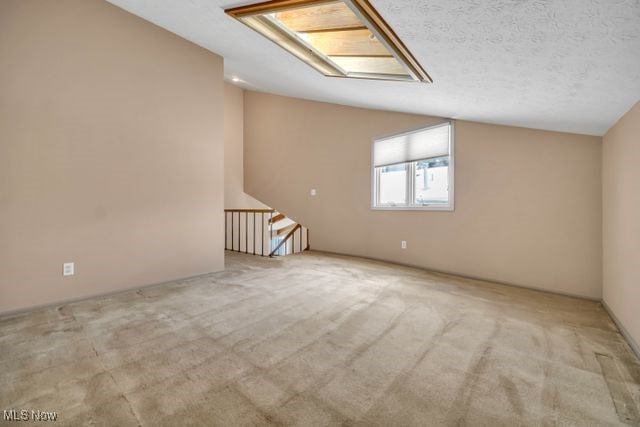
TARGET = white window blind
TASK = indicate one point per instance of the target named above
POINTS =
(408, 147)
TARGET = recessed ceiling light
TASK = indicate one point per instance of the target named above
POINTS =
(345, 38)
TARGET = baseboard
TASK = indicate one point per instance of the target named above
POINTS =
(16, 312)
(463, 276)
(627, 336)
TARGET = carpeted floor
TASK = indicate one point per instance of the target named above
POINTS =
(315, 339)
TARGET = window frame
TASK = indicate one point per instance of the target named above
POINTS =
(410, 182)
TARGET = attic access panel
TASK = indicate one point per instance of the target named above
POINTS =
(339, 38)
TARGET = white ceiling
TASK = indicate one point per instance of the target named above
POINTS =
(567, 65)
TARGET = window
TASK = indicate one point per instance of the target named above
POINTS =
(339, 38)
(414, 170)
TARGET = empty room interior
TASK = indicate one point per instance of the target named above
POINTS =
(320, 212)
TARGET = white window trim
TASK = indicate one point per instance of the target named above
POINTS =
(449, 207)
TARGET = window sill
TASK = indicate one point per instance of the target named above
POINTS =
(445, 208)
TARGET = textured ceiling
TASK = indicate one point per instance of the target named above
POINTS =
(567, 65)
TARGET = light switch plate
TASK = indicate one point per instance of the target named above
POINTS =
(313, 192)
(68, 269)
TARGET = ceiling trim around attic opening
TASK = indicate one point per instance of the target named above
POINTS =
(339, 38)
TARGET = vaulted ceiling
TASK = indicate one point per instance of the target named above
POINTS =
(566, 65)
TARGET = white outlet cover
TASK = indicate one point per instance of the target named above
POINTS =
(403, 244)
(313, 192)
(68, 269)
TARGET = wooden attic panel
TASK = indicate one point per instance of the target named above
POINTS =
(346, 43)
(291, 21)
(369, 65)
(284, 40)
(322, 17)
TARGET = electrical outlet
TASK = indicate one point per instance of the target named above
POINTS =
(403, 244)
(68, 269)
(313, 192)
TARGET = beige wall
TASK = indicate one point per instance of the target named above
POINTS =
(234, 195)
(111, 152)
(528, 202)
(621, 222)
